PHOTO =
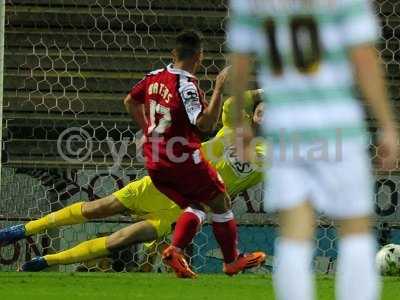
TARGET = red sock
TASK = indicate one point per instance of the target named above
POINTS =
(226, 236)
(185, 229)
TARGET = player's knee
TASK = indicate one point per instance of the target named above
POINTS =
(101, 208)
(116, 240)
(353, 226)
(89, 209)
(94, 209)
(220, 204)
(136, 233)
(300, 232)
(298, 223)
(228, 202)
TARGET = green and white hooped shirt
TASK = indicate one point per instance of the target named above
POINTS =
(302, 47)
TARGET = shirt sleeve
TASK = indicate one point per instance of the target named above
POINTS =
(192, 100)
(245, 31)
(358, 21)
(138, 91)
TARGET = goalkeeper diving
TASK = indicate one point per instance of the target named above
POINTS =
(140, 198)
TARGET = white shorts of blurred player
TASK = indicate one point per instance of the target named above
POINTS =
(340, 187)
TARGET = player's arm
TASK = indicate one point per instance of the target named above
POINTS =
(134, 104)
(245, 37)
(208, 119)
(360, 31)
(371, 81)
(240, 77)
(241, 65)
(136, 111)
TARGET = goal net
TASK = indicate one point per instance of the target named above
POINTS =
(67, 66)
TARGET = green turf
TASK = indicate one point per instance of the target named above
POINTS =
(97, 286)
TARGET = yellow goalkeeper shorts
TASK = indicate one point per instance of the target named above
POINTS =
(143, 199)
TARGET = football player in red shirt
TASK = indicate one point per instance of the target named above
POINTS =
(171, 109)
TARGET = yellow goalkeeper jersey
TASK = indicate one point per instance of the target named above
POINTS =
(220, 151)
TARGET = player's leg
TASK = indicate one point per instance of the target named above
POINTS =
(224, 227)
(190, 192)
(139, 196)
(290, 193)
(357, 275)
(76, 213)
(293, 277)
(102, 208)
(191, 219)
(193, 216)
(225, 232)
(187, 225)
(140, 232)
(352, 206)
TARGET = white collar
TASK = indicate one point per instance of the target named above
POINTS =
(172, 70)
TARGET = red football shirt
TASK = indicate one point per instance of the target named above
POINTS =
(173, 101)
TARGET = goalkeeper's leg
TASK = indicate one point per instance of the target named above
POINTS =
(76, 213)
(140, 232)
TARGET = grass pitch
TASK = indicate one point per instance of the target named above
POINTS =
(79, 286)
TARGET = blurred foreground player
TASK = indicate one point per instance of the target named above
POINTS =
(312, 53)
(171, 109)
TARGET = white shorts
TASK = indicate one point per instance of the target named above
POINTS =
(337, 188)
